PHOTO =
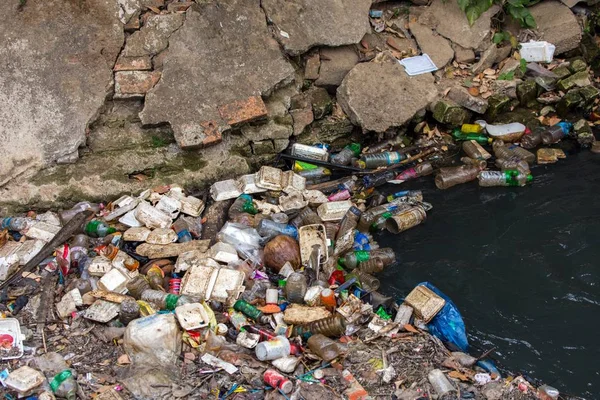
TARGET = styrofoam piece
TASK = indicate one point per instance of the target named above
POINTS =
(418, 65)
(333, 210)
(162, 236)
(312, 152)
(209, 283)
(169, 205)
(114, 281)
(293, 201)
(24, 379)
(68, 304)
(225, 190)
(152, 217)
(190, 258)
(9, 260)
(42, 231)
(190, 205)
(138, 234)
(309, 236)
(192, 316)
(28, 250)
(541, 51)
(269, 178)
(99, 266)
(223, 252)
(292, 182)
(121, 206)
(102, 311)
(12, 329)
(129, 219)
(248, 184)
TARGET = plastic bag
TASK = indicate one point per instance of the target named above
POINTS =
(448, 324)
(246, 241)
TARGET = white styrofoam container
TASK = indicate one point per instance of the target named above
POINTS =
(537, 51)
(418, 65)
(225, 190)
(192, 316)
(333, 210)
(210, 283)
(12, 328)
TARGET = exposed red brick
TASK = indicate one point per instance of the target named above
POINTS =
(241, 111)
(129, 83)
(212, 130)
(133, 64)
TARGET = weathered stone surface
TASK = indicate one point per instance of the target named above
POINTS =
(154, 35)
(497, 103)
(557, 25)
(134, 83)
(244, 110)
(527, 93)
(380, 96)
(570, 101)
(511, 65)
(450, 21)
(462, 55)
(463, 98)
(302, 24)
(491, 56)
(438, 48)
(133, 64)
(311, 69)
(336, 62)
(179, 6)
(577, 65)
(448, 112)
(580, 79)
(222, 54)
(561, 72)
(56, 59)
(302, 118)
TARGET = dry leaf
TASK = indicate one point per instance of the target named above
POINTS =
(447, 91)
(458, 375)
(123, 359)
(410, 328)
(155, 10)
(473, 91)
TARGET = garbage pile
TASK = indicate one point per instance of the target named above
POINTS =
(269, 292)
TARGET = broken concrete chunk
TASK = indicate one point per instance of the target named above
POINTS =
(448, 112)
(311, 69)
(162, 236)
(302, 119)
(227, 52)
(462, 55)
(450, 21)
(141, 63)
(332, 23)
(336, 62)
(134, 83)
(438, 48)
(463, 98)
(154, 35)
(579, 79)
(556, 24)
(381, 96)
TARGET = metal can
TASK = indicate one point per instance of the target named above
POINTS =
(278, 381)
(406, 220)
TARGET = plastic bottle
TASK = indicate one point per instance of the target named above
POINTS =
(129, 311)
(137, 286)
(97, 228)
(382, 159)
(250, 311)
(532, 139)
(474, 150)
(546, 392)
(382, 220)
(67, 215)
(419, 170)
(175, 284)
(441, 384)
(339, 196)
(503, 178)
(451, 176)
(416, 195)
(278, 381)
(353, 258)
(328, 187)
(479, 138)
(307, 216)
(328, 298)
(522, 153)
(384, 144)
(62, 379)
(15, 223)
(345, 156)
(165, 301)
(370, 216)
(507, 152)
(513, 163)
(273, 349)
(371, 266)
(378, 179)
(323, 347)
(349, 221)
(317, 173)
(270, 228)
(334, 326)
(112, 252)
(295, 288)
(182, 230)
(471, 128)
(242, 204)
(367, 281)
(553, 134)
(79, 249)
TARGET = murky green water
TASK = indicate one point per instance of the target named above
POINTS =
(523, 266)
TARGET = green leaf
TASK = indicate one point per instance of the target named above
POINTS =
(523, 65)
(499, 37)
(463, 4)
(529, 20)
(473, 13)
(507, 76)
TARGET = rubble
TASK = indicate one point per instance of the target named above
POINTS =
(434, 45)
(557, 24)
(336, 62)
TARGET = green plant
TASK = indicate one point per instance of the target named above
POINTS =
(506, 76)
(523, 65)
(517, 9)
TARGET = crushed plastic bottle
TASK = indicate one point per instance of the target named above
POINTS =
(452, 176)
(503, 178)
(345, 156)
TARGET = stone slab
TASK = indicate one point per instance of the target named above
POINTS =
(438, 48)
(557, 24)
(336, 62)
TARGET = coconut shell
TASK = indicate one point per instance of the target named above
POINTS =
(280, 250)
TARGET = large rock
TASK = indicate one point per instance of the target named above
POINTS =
(438, 48)
(450, 21)
(336, 62)
(380, 96)
(218, 65)
(302, 24)
(154, 35)
(557, 25)
(56, 59)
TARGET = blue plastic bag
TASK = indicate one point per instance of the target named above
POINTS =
(448, 324)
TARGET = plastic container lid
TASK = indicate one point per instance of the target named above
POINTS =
(10, 333)
(418, 65)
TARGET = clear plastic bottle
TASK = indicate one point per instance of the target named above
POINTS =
(553, 134)
(15, 223)
(441, 384)
(451, 176)
(367, 281)
(532, 139)
(378, 179)
(242, 204)
(382, 159)
(67, 215)
(323, 347)
(328, 187)
(317, 173)
(384, 144)
(129, 311)
(334, 326)
(371, 266)
(503, 178)
(349, 221)
(419, 170)
(382, 220)
(79, 249)
(546, 392)
(522, 153)
(307, 216)
(406, 219)
(352, 259)
(137, 286)
(295, 288)
(368, 218)
(501, 151)
(345, 156)
(474, 150)
(182, 230)
(269, 228)
(513, 163)
(97, 228)
(165, 301)
(410, 195)
(481, 164)
(62, 379)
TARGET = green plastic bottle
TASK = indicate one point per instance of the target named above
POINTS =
(457, 134)
(345, 156)
(250, 311)
(97, 228)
